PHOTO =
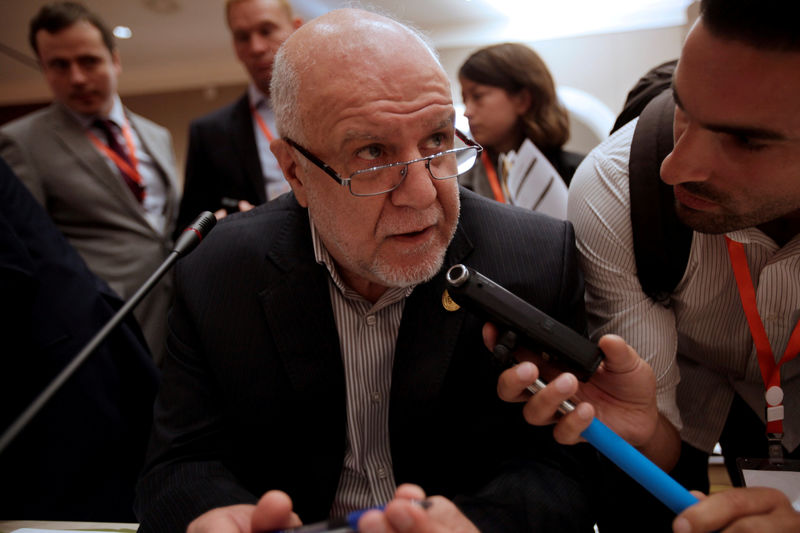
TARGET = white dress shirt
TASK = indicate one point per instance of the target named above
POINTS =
(701, 338)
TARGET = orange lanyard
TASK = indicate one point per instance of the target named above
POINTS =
(770, 371)
(131, 170)
(491, 173)
(261, 124)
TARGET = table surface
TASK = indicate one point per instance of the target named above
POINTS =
(7, 526)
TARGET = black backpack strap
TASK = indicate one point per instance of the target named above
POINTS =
(661, 242)
(653, 83)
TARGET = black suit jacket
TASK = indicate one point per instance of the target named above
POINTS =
(222, 162)
(79, 458)
(253, 396)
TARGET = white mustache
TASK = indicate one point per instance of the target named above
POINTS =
(410, 223)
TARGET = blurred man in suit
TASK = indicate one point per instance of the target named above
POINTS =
(104, 174)
(229, 166)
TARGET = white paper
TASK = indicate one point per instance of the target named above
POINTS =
(534, 183)
(787, 482)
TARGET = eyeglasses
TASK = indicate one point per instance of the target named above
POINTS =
(386, 178)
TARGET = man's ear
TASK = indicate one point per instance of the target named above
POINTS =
(286, 156)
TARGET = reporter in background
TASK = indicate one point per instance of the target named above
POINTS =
(229, 166)
(510, 96)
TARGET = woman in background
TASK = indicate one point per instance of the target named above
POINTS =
(510, 96)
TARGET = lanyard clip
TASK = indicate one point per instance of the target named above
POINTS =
(775, 447)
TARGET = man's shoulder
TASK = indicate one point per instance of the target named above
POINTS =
(256, 231)
(144, 122)
(35, 121)
(480, 212)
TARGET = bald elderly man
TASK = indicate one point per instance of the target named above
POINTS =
(310, 357)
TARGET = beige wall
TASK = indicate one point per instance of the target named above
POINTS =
(605, 66)
(175, 110)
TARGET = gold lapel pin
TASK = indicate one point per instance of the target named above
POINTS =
(448, 303)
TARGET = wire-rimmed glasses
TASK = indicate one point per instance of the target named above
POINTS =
(386, 178)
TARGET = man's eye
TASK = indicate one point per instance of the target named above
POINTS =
(440, 142)
(370, 153)
(748, 143)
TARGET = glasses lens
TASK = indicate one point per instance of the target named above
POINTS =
(382, 179)
(376, 180)
(451, 164)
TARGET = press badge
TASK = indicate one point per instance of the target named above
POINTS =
(781, 474)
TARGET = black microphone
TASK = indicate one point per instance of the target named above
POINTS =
(186, 242)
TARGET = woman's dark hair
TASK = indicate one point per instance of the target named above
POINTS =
(60, 15)
(514, 68)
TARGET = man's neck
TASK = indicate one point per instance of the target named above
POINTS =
(368, 290)
(782, 230)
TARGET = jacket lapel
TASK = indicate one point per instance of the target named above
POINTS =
(164, 159)
(298, 312)
(427, 338)
(73, 137)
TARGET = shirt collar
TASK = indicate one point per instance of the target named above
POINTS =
(117, 114)
(256, 97)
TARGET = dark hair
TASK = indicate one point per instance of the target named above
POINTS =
(766, 24)
(55, 17)
(515, 67)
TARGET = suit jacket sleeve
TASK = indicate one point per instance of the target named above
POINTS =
(15, 157)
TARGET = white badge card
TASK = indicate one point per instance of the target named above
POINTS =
(783, 475)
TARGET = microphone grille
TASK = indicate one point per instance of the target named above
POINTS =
(204, 222)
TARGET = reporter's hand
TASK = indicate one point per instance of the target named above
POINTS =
(273, 511)
(403, 515)
(742, 510)
(621, 393)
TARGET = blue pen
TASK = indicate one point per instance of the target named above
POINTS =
(346, 524)
(631, 461)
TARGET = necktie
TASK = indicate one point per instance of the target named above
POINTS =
(107, 127)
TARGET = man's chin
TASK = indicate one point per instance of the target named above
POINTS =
(409, 271)
(710, 223)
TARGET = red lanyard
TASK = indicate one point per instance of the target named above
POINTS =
(492, 175)
(261, 123)
(130, 170)
(770, 371)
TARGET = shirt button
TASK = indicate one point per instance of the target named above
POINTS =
(375, 397)
(381, 473)
(371, 320)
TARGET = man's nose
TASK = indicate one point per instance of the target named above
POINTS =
(76, 74)
(417, 189)
(259, 43)
(691, 158)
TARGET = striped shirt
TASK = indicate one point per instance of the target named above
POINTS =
(702, 338)
(367, 338)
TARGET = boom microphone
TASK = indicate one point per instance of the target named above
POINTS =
(186, 242)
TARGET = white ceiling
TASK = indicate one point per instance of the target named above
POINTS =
(180, 44)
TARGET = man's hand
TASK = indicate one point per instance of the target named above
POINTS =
(739, 511)
(244, 205)
(621, 393)
(403, 515)
(273, 511)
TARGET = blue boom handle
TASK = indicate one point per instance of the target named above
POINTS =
(639, 467)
